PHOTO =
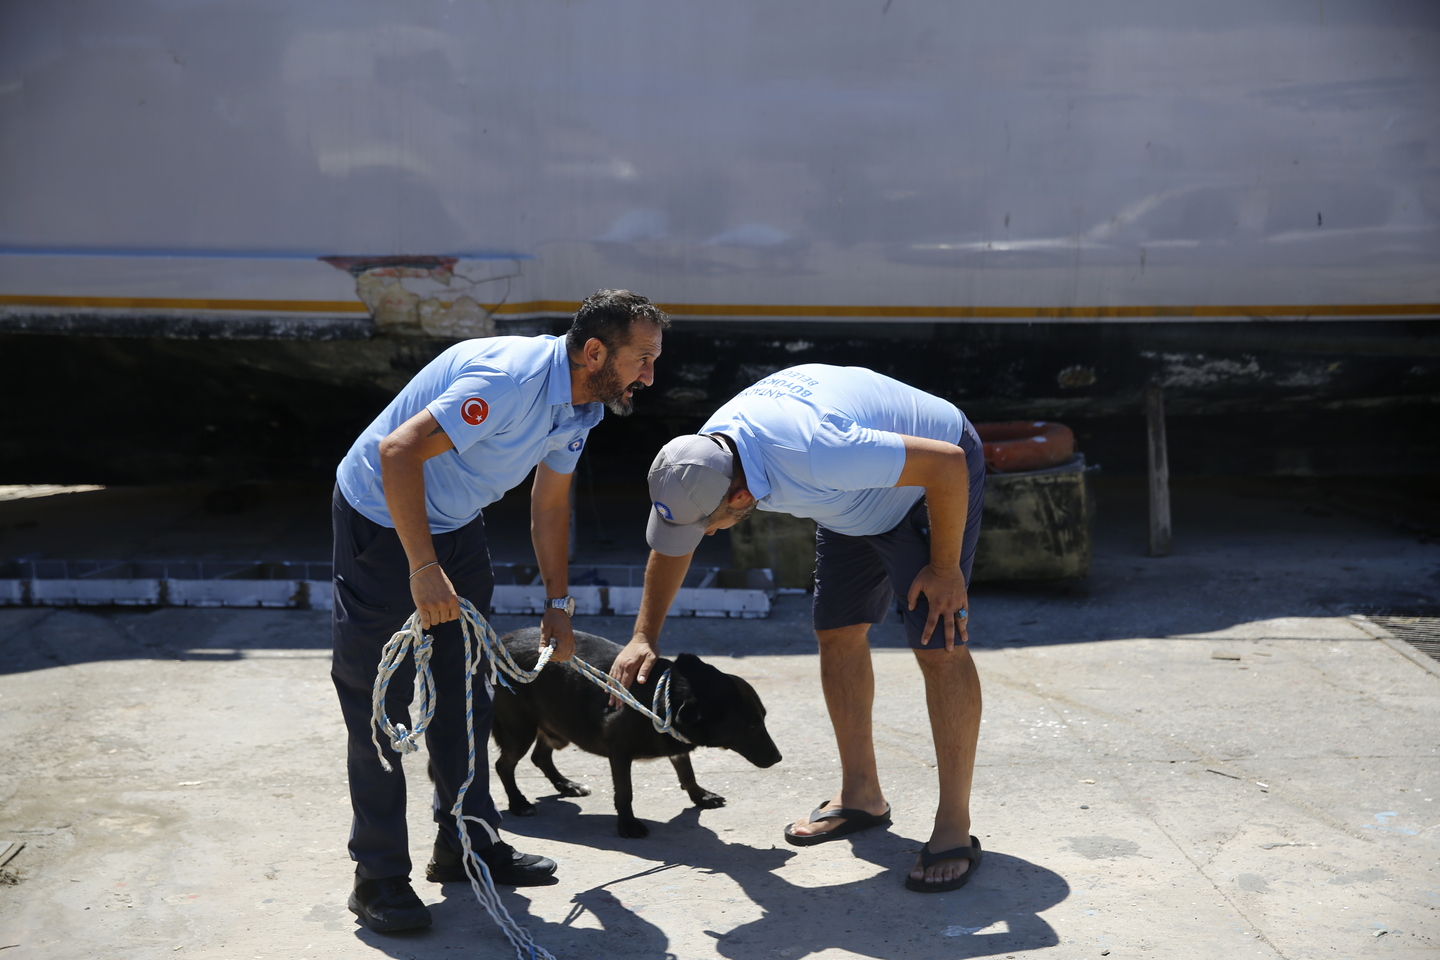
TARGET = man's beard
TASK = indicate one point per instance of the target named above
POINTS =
(733, 514)
(607, 386)
(743, 513)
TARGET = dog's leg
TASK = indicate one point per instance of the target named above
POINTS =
(513, 737)
(544, 758)
(520, 805)
(624, 798)
(699, 796)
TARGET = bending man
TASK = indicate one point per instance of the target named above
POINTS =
(409, 536)
(895, 479)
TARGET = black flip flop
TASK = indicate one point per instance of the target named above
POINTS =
(855, 821)
(971, 853)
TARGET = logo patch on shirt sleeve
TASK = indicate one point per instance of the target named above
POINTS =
(664, 511)
(474, 411)
(575, 445)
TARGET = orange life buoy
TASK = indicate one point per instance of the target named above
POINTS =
(1014, 445)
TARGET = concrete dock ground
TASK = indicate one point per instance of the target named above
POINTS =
(1195, 756)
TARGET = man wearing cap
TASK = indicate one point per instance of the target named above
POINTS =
(409, 536)
(895, 479)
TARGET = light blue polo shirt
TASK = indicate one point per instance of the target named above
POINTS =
(505, 404)
(824, 442)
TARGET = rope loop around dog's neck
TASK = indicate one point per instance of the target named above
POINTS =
(659, 712)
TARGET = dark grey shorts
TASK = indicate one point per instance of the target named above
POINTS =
(858, 578)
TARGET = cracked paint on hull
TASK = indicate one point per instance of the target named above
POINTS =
(426, 297)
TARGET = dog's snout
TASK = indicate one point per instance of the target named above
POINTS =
(764, 754)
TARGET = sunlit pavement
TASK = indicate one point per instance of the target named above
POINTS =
(1195, 756)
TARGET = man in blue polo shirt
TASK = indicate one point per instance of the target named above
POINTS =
(895, 479)
(409, 536)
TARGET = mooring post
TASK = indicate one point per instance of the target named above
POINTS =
(1159, 472)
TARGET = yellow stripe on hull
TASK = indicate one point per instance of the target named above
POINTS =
(823, 312)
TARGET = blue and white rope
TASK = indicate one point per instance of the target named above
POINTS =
(473, 625)
(391, 656)
(659, 712)
(480, 640)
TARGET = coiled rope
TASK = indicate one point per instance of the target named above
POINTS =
(480, 641)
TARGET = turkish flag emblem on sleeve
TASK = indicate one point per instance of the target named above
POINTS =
(474, 411)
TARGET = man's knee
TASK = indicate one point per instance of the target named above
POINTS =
(855, 633)
(940, 660)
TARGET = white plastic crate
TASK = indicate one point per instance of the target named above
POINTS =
(180, 583)
(529, 599)
(233, 593)
(603, 589)
(69, 593)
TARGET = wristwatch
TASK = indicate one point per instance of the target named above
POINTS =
(562, 603)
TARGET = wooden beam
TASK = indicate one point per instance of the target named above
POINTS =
(1159, 472)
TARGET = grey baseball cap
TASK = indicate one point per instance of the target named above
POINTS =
(688, 480)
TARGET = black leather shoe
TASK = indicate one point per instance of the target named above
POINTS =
(507, 865)
(388, 905)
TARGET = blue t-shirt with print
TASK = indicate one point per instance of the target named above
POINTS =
(505, 404)
(824, 442)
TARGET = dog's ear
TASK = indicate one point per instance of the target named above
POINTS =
(703, 702)
(695, 670)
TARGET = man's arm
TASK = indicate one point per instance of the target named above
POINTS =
(402, 458)
(550, 533)
(663, 576)
(940, 468)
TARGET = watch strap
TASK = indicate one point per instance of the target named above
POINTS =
(561, 603)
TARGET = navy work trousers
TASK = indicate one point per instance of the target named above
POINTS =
(372, 602)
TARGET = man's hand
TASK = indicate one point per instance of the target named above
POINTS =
(633, 665)
(945, 591)
(556, 631)
(434, 597)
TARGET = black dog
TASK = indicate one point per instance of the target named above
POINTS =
(712, 709)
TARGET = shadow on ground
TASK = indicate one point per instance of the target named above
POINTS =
(865, 917)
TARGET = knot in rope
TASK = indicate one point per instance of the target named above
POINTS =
(409, 638)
